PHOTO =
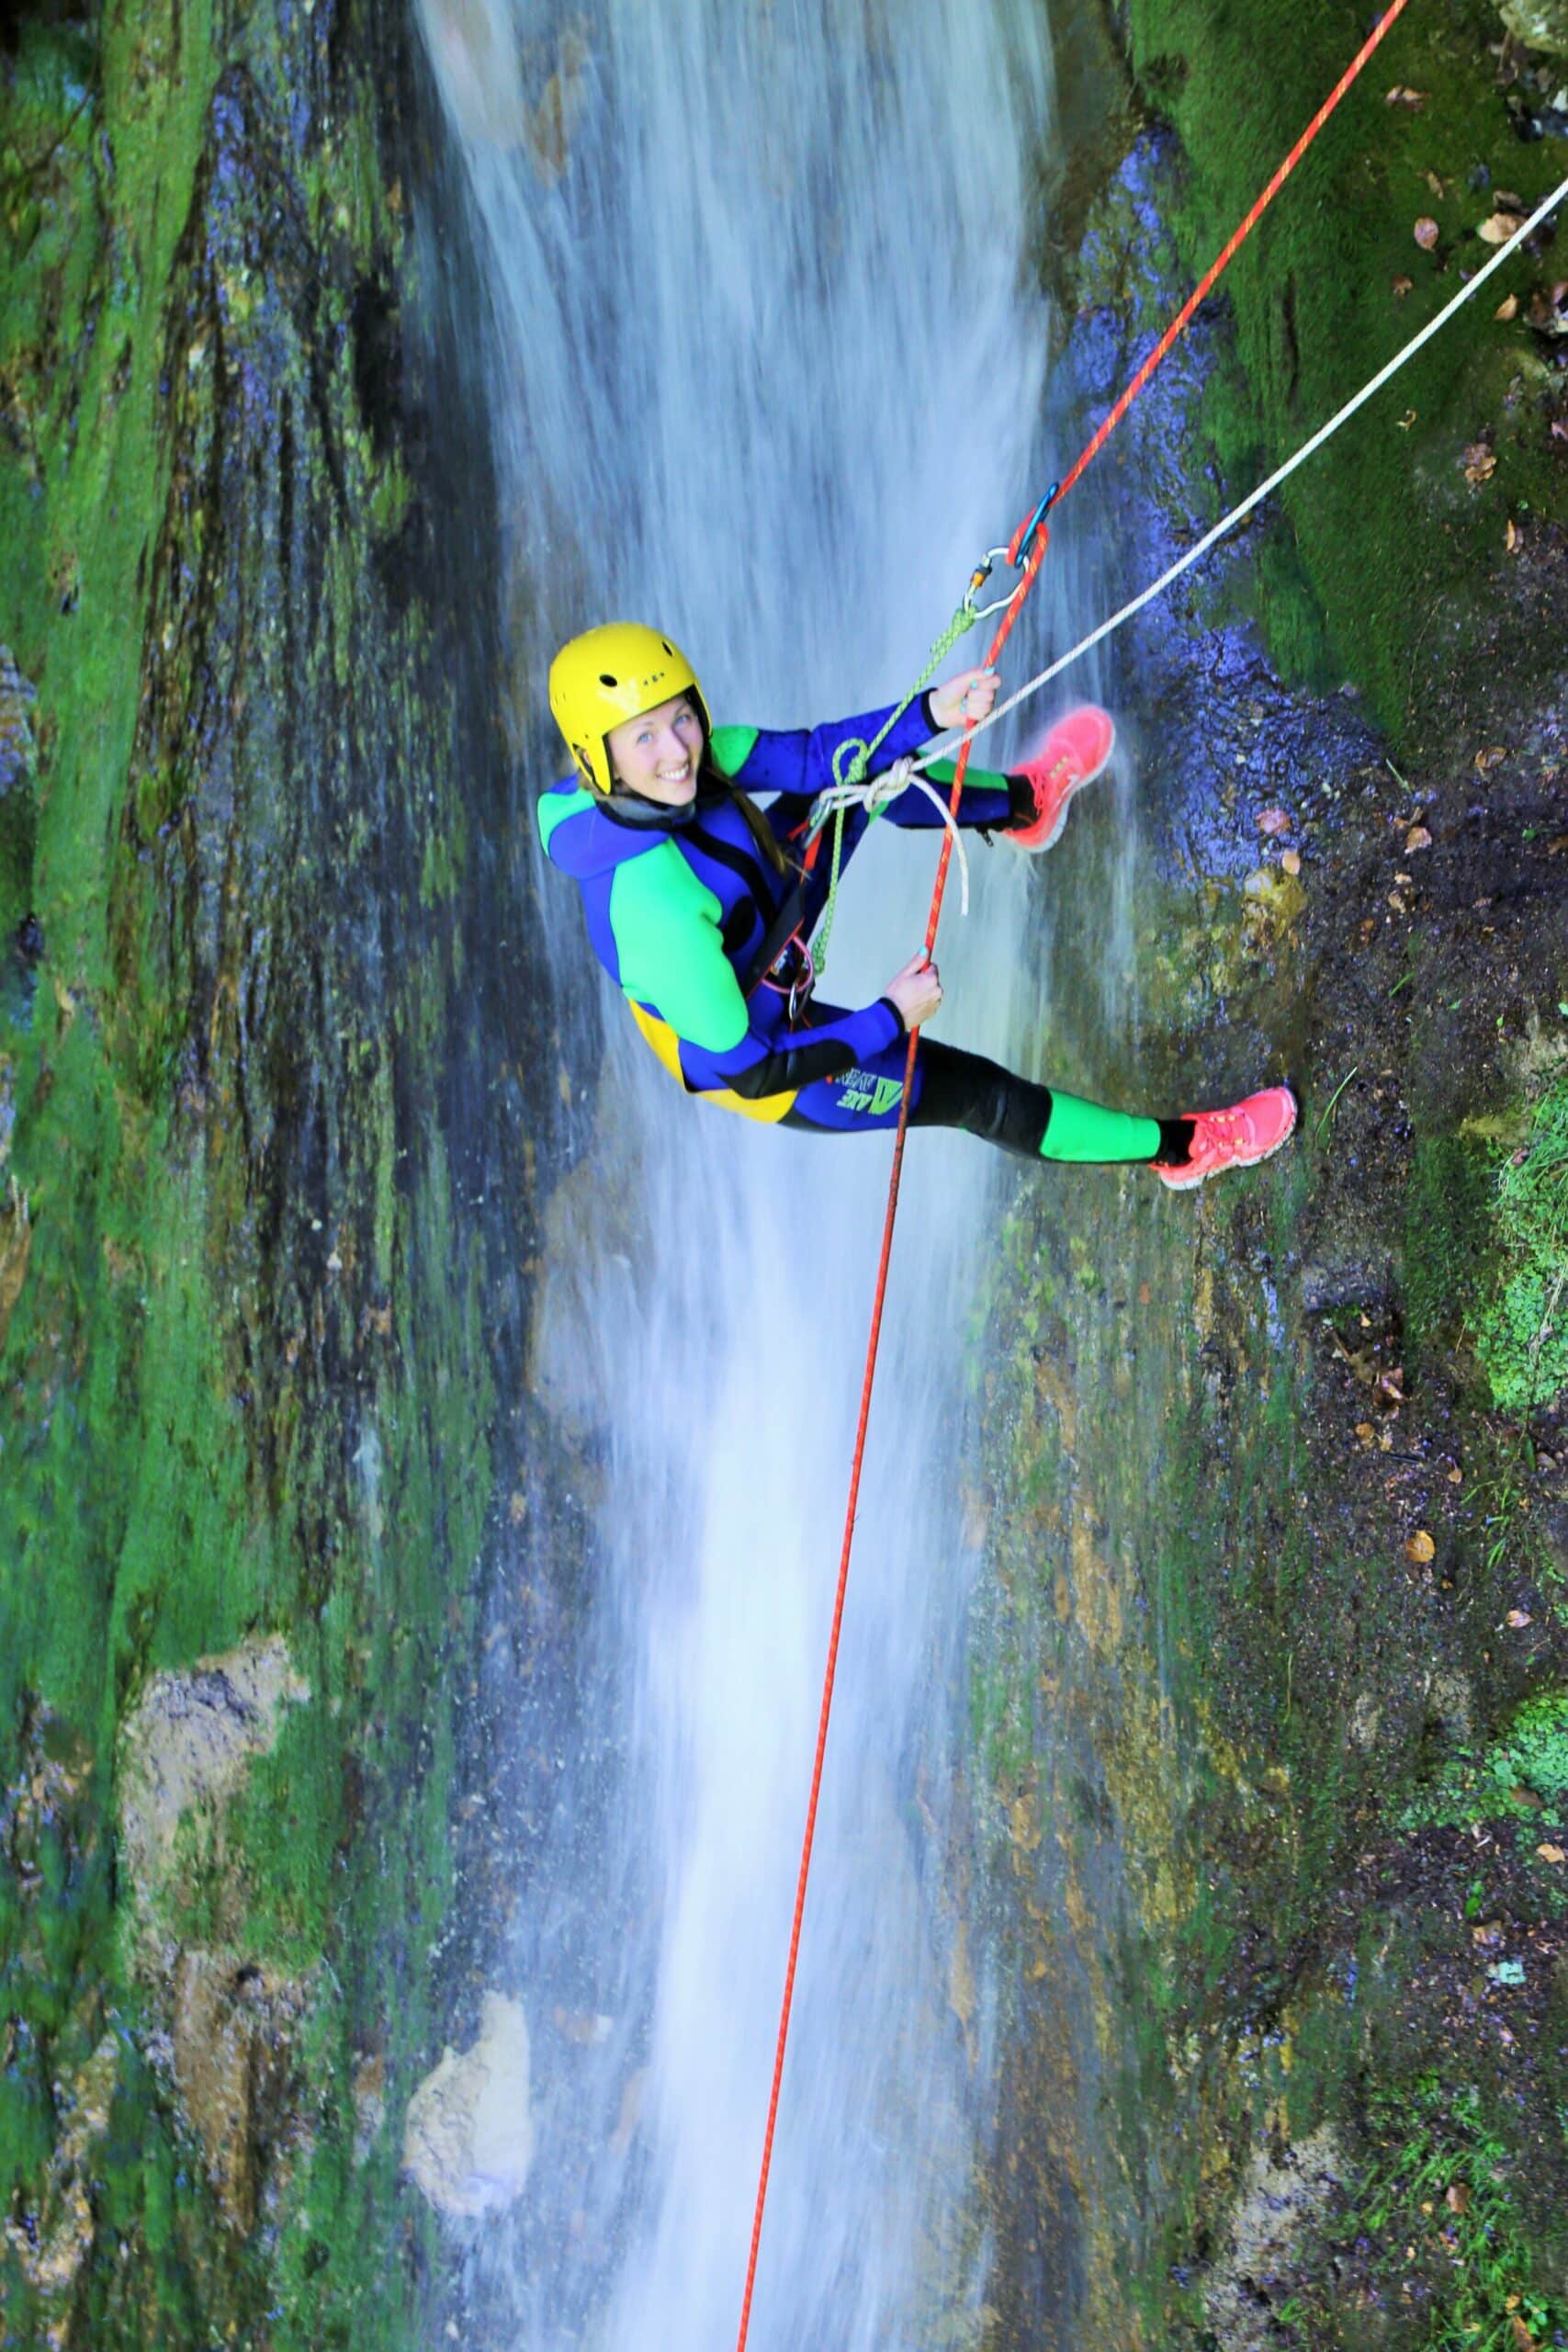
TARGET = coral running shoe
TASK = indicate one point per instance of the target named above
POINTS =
(1072, 755)
(1239, 1137)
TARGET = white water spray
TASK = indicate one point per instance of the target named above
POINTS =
(766, 365)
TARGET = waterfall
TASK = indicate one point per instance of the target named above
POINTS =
(756, 309)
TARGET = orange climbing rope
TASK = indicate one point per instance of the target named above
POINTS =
(1026, 553)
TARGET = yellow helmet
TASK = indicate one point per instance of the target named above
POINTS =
(609, 674)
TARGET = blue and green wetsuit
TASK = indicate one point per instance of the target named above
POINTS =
(693, 920)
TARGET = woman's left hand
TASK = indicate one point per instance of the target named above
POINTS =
(968, 696)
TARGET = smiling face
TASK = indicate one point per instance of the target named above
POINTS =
(658, 754)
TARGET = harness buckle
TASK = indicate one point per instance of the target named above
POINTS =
(794, 973)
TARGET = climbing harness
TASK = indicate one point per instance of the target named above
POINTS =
(1026, 552)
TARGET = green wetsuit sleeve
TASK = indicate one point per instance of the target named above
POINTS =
(732, 747)
(670, 951)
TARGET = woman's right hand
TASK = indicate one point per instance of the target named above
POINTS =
(916, 991)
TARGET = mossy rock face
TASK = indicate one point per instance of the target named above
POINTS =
(1396, 532)
(246, 1396)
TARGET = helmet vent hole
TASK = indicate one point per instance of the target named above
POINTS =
(605, 679)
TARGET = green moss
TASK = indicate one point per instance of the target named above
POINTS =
(245, 1377)
(1384, 545)
(1521, 1329)
(1447, 1240)
(1522, 1775)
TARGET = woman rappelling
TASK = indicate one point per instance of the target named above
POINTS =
(700, 906)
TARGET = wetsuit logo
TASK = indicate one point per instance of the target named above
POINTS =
(865, 1091)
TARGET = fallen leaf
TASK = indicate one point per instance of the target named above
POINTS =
(1486, 1935)
(1480, 462)
(1273, 820)
(1417, 838)
(1551, 1854)
(1523, 2341)
(1144, 1294)
(1400, 95)
(1435, 185)
(1490, 757)
(1408, 419)
(1397, 902)
(1425, 232)
(1291, 862)
(1400, 287)
(1456, 2197)
(1518, 1618)
(1456, 1476)
(1508, 308)
(1366, 1432)
(1420, 1549)
(1513, 538)
(1497, 229)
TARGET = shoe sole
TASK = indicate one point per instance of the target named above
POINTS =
(1256, 1160)
(1034, 849)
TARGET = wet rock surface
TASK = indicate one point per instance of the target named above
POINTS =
(250, 1347)
(467, 2137)
(1243, 1623)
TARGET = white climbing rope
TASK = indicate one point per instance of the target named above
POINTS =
(1239, 513)
(876, 792)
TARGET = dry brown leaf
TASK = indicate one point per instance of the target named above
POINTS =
(1291, 862)
(1366, 1432)
(1513, 538)
(1417, 838)
(1456, 1476)
(1420, 1549)
(1523, 2341)
(1489, 757)
(1480, 462)
(1456, 2197)
(1400, 288)
(1508, 308)
(1488, 1934)
(1425, 232)
(1435, 185)
(1518, 1618)
(1497, 229)
(1401, 96)
(1270, 821)
(1551, 1854)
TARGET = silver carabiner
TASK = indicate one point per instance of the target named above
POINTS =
(977, 580)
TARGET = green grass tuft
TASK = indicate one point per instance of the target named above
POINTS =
(1522, 1333)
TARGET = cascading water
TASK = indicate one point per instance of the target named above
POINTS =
(765, 366)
